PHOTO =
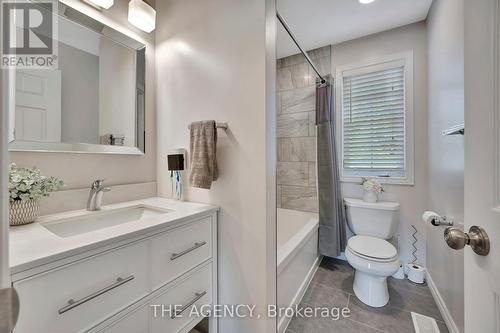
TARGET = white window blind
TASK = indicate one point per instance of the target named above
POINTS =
(373, 105)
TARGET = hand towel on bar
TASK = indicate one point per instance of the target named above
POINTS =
(203, 154)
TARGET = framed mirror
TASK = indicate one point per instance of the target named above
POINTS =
(93, 103)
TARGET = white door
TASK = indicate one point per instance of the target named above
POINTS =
(482, 163)
(38, 105)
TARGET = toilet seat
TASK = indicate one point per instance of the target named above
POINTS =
(372, 248)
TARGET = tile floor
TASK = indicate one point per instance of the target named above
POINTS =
(332, 286)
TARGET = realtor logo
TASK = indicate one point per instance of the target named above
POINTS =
(28, 34)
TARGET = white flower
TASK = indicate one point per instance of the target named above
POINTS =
(29, 184)
(372, 185)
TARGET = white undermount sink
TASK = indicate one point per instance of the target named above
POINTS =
(91, 221)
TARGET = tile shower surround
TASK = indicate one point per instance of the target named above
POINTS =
(296, 104)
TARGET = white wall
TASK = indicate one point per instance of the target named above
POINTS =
(211, 62)
(412, 198)
(79, 170)
(446, 154)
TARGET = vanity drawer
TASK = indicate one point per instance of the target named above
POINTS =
(176, 252)
(196, 290)
(98, 288)
(135, 322)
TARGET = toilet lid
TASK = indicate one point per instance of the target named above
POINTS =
(372, 247)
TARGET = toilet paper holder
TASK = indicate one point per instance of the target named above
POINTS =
(436, 220)
(442, 220)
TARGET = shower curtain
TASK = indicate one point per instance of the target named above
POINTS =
(332, 220)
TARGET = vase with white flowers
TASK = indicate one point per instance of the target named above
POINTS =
(26, 187)
(372, 189)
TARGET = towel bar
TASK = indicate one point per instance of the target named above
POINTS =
(222, 126)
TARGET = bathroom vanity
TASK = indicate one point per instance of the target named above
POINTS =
(108, 271)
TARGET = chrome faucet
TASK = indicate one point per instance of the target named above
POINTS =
(95, 196)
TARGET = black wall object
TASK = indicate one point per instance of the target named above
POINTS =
(175, 162)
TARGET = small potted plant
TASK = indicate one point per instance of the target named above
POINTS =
(26, 187)
(372, 189)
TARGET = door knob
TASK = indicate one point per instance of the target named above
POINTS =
(477, 238)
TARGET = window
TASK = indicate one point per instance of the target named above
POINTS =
(375, 100)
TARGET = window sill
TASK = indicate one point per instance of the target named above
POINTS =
(382, 180)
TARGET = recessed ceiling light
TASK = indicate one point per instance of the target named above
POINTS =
(364, 2)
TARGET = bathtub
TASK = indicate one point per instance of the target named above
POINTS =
(297, 257)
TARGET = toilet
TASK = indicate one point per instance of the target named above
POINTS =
(368, 252)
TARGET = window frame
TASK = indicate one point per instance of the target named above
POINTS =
(368, 66)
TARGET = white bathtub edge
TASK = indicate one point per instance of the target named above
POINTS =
(290, 249)
(285, 321)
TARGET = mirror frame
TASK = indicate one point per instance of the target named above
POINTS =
(84, 148)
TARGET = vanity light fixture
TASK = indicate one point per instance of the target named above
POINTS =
(142, 15)
(364, 2)
(106, 4)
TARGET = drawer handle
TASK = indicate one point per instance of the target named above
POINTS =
(73, 304)
(194, 247)
(197, 297)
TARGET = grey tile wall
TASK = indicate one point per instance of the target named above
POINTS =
(302, 198)
(293, 125)
(299, 149)
(296, 103)
(293, 173)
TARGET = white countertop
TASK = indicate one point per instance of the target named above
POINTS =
(33, 245)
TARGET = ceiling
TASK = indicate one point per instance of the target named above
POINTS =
(317, 23)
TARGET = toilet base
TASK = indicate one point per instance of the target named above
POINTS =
(370, 289)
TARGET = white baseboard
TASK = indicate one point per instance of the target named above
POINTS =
(285, 321)
(448, 319)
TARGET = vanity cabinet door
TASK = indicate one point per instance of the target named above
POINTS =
(194, 290)
(78, 296)
(135, 322)
(180, 250)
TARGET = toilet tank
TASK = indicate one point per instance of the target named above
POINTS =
(378, 219)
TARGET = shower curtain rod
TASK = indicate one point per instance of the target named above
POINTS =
(287, 28)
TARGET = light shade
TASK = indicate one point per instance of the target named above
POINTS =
(142, 15)
(366, 1)
(106, 4)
